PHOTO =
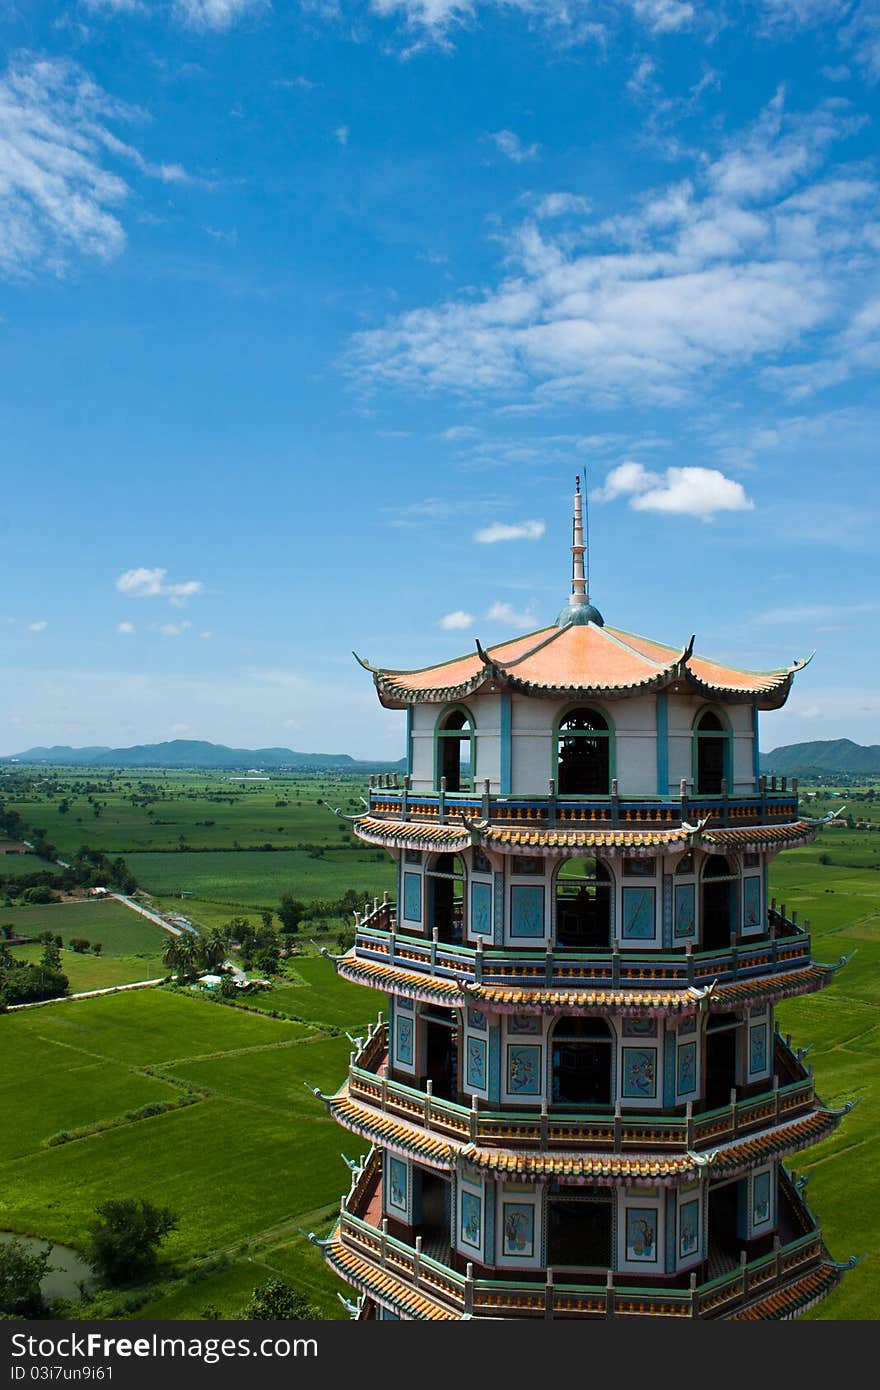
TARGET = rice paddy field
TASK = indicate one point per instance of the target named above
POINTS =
(241, 1149)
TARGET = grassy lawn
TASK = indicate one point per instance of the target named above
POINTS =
(251, 1160)
(20, 865)
(121, 931)
(251, 879)
(842, 901)
(87, 972)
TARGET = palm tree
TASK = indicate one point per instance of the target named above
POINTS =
(180, 955)
(213, 949)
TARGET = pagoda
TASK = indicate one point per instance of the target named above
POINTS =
(580, 1103)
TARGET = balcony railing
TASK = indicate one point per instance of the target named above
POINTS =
(378, 938)
(767, 806)
(551, 1129)
(542, 1297)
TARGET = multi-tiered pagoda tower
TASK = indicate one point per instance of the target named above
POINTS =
(580, 1103)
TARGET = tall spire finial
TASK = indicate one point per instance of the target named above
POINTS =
(579, 611)
(578, 576)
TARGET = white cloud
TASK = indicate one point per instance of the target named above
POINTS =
(341, 134)
(500, 612)
(512, 147)
(58, 196)
(741, 261)
(126, 629)
(664, 16)
(215, 14)
(561, 205)
(699, 492)
(453, 622)
(39, 626)
(152, 583)
(175, 629)
(517, 531)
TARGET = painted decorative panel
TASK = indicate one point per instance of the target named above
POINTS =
(524, 1023)
(688, 1025)
(639, 1073)
(686, 1082)
(404, 1041)
(471, 1219)
(519, 1229)
(638, 914)
(758, 1047)
(640, 1027)
(526, 910)
(401, 1002)
(684, 927)
(752, 904)
(481, 909)
(477, 1020)
(524, 1070)
(761, 1199)
(688, 1228)
(412, 897)
(641, 1234)
(397, 1184)
(475, 1074)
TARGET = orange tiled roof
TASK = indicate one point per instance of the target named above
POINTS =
(795, 1298)
(372, 1279)
(582, 659)
(412, 1140)
(415, 984)
(761, 837)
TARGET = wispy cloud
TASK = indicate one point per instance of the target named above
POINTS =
(126, 629)
(814, 613)
(741, 262)
(175, 629)
(153, 583)
(699, 492)
(39, 626)
(515, 531)
(457, 620)
(500, 612)
(60, 197)
(510, 145)
(216, 14)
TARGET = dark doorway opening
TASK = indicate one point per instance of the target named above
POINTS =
(455, 751)
(720, 1064)
(719, 901)
(711, 755)
(441, 1057)
(583, 1052)
(583, 905)
(579, 1229)
(434, 1215)
(446, 882)
(584, 754)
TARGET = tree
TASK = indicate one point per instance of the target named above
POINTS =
(266, 915)
(125, 1236)
(213, 948)
(97, 948)
(276, 1301)
(20, 1276)
(181, 956)
(291, 913)
(80, 944)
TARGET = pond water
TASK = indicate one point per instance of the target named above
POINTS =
(68, 1270)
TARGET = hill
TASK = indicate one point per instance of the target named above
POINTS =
(184, 753)
(824, 757)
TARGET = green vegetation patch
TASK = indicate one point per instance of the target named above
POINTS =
(121, 930)
(87, 972)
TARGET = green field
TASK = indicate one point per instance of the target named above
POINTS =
(87, 972)
(253, 1158)
(121, 931)
(21, 865)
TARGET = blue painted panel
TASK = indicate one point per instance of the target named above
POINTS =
(412, 897)
(524, 1070)
(506, 743)
(639, 1072)
(481, 909)
(662, 744)
(475, 1075)
(498, 923)
(526, 910)
(638, 914)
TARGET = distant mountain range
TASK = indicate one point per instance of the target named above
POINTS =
(825, 757)
(195, 753)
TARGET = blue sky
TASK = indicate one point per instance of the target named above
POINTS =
(309, 313)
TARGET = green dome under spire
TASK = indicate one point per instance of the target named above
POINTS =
(578, 615)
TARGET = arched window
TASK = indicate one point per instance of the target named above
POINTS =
(583, 764)
(711, 754)
(583, 905)
(455, 750)
(583, 1053)
(718, 907)
(445, 877)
